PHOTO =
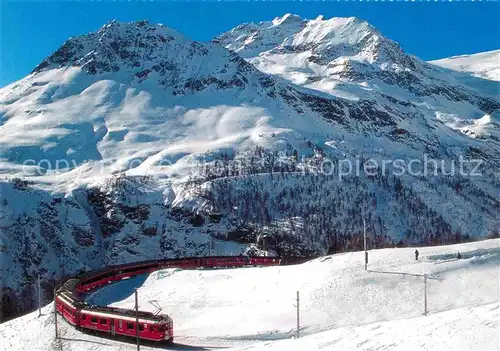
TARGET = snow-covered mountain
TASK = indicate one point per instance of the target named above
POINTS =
(347, 57)
(484, 64)
(350, 59)
(479, 71)
(135, 142)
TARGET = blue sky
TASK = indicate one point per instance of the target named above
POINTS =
(30, 31)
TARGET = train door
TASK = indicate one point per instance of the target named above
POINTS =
(120, 327)
(113, 327)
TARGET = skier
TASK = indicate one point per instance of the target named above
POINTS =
(459, 256)
(416, 254)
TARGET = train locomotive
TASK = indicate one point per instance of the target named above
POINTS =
(70, 302)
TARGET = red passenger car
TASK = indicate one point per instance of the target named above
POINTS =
(118, 321)
(66, 306)
(123, 322)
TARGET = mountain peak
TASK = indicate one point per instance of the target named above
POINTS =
(286, 19)
(325, 39)
(113, 45)
(119, 28)
(143, 53)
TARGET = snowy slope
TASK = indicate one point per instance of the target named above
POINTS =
(472, 328)
(342, 306)
(153, 104)
(137, 119)
(483, 65)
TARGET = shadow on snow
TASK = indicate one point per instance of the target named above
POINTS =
(116, 291)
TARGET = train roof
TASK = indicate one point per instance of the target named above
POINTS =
(69, 285)
(98, 272)
(108, 269)
(130, 315)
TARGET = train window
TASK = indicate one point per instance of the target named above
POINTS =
(103, 322)
(130, 325)
(151, 328)
(141, 327)
(94, 319)
(83, 316)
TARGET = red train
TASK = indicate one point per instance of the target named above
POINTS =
(118, 321)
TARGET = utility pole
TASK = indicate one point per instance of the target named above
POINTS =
(210, 247)
(55, 311)
(39, 297)
(137, 319)
(298, 316)
(364, 240)
(425, 294)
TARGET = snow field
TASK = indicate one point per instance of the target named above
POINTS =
(342, 306)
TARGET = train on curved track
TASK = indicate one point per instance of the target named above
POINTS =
(71, 304)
